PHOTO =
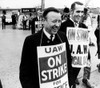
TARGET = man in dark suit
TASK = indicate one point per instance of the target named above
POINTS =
(97, 34)
(29, 65)
(3, 21)
(34, 19)
(65, 14)
(76, 13)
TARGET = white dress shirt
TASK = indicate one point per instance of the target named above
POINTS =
(48, 35)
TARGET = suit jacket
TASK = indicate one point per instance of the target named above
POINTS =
(63, 28)
(70, 23)
(33, 24)
(97, 34)
(29, 67)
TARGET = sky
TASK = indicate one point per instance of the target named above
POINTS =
(48, 3)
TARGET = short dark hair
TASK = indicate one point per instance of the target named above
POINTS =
(66, 10)
(85, 10)
(50, 9)
(73, 5)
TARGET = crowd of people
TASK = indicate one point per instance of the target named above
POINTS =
(35, 70)
(13, 19)
(24, 21)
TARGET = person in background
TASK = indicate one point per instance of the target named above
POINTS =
(87, 20)
(24, 20)
(28, 74)
(97, 34)
(76, 13)
(66, 14)
(34, 19)
(3, 21)
(14, 20)
(30, 20)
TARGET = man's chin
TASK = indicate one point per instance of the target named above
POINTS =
(54, 32)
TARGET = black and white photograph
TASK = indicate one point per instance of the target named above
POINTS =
(49, 44)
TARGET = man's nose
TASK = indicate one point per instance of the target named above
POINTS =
(80, 14)
(58, 24)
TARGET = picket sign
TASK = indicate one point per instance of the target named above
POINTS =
(52, 66)
(79, 44)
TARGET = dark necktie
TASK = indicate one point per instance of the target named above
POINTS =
(51, 37)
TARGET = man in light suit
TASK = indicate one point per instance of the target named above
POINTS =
(29, 65)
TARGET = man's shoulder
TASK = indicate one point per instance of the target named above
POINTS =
(66, 23)
(35, 36)
(82, 25)
(61, 34)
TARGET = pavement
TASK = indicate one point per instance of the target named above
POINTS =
(11, 42)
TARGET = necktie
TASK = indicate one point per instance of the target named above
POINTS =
(51, 37)
(76, 24)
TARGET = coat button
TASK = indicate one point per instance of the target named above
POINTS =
(48, 41)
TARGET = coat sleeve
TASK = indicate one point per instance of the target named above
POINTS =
(69, 62)
(27, 66)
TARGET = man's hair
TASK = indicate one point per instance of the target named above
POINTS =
(66, 10)
(85, 11)
(73, 5)
(50, 9)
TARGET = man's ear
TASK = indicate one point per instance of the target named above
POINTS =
(71, 12)
(44, 20)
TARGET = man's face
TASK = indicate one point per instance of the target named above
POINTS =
(52, 22)
(77, 13)
(66, 15)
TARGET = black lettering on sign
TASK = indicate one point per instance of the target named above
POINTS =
(82, 35)
(64, 85)
(54, 49)
(71, 48)
(71, 34)
(77, 60)
(57, 82)
(79, 51)
(85, 49)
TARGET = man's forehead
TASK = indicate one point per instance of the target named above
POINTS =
(79, 7)
(54, 14)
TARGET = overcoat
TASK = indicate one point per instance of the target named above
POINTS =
(28, 74)
(70, 23)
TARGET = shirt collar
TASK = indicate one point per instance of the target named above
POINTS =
(47, 34)
(75, 24)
